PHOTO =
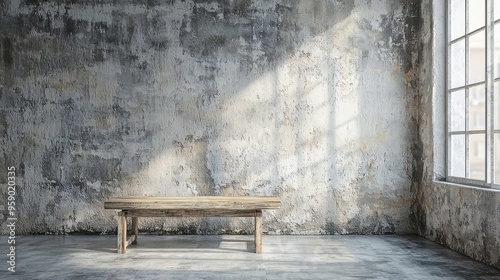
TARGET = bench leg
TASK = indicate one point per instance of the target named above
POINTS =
(122, 233)
(135, 228)
(258, 232)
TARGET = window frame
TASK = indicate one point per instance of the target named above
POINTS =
(488, 83)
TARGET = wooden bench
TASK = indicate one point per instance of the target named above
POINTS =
(190, 206)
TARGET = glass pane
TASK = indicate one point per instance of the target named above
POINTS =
(496, 106)
(477, 159)
(457, 64)
(477, 108)
(497, 158)
(477, 14)
(457, 110)
(457, 13)
(457, 156)
(477, 57)
(496, 7)
(496, 51)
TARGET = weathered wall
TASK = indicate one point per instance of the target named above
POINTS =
(462, 218)
(312, 101)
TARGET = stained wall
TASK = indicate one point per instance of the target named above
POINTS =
(311, 101)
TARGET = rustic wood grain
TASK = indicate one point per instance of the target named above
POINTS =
(190, 213)
(258, 232)
(192, 206)
(194, 202)
(131, 240)
(135, 228)
(122, 233)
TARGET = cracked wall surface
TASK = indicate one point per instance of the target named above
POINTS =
(311, 101)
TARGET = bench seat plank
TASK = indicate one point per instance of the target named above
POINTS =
(193, 202)
(190, 213)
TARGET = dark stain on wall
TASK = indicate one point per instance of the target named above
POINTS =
(7, 52)
(34, 2)
(51, 162)
(69, 24)
(414, 47)
(3, 123)
(203, 32)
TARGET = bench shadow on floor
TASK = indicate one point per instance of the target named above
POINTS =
(171, 244)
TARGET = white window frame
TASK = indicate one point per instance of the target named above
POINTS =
(489, 83)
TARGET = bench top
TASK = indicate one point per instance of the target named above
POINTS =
(193, 202)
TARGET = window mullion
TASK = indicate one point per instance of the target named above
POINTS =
(466, 94)
(489, 166)
(448, 86)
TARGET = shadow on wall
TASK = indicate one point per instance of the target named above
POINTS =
(303, 100)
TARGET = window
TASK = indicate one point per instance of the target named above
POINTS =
(473, 92)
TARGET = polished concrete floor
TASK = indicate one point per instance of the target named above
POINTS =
(231, 257)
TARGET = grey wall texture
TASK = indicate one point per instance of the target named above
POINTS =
(311, 101)
(462, 218)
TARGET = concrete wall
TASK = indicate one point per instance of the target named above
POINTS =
(462, 218)
(311, 101)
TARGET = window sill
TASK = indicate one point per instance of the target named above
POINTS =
(449, 184)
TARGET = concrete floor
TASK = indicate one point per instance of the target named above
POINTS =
(231, 257)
